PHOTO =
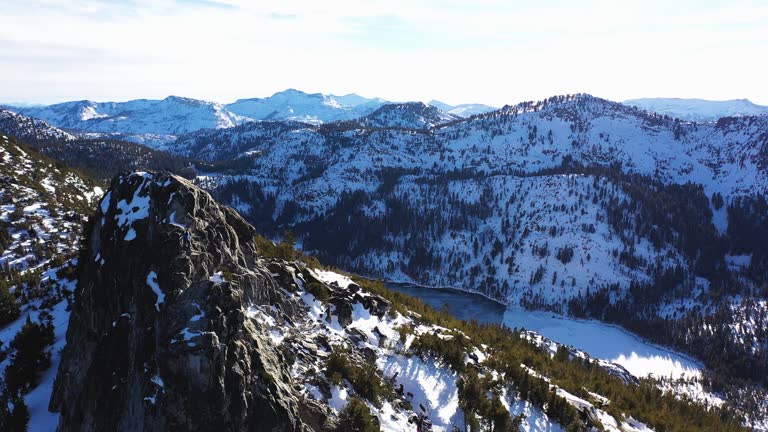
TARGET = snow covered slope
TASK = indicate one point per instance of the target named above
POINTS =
(411, 115)
(102, 155)
(41, 204)
(699, 109)
(170, 116)
(153, 141)
(551, 225)
(29, 129)
(728, 157)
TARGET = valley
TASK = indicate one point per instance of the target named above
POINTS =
(627, 240)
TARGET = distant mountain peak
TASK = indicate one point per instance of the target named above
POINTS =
(462, 110)
(440, 105)
(408, 115)
(187, 101)
(354, 99)
(293, 91)
(296, 105)
(699, 109)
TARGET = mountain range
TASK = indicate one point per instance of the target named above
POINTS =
(313, 108)
(575, 205)
(157, 122)
(462, 110)
(699, 109)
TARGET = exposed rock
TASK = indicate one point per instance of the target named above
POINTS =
(156, 341)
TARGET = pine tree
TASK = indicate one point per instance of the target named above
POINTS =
(19, 418)
(499, 416)
(30, 357)
(357, 417)
(471, 396)
(562, 354)
(9, 306)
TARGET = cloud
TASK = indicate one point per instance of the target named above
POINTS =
(487, 51)
(207, 3)
(281, 16)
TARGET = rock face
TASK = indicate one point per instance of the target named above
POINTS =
(159, 338)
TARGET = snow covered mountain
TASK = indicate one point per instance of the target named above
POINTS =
(156, 123)
(170, 116)
(728, 157)
(573, 204)
(462, 110)
(307, 349)
(411, 115)
(313, 108)
(699, 109)
(507, 156)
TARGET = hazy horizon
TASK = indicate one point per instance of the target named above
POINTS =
(22, 104)
(455, 51)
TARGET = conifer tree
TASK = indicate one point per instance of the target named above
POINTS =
(9, 306)
(357, 417)
(19, 418)
(30, 357)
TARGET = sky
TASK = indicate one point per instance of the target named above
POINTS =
(480, 51)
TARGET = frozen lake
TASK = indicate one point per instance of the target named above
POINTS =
(607, 342)
(598, 339)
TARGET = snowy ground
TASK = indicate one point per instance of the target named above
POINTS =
(40, 204)
(609, 344)
(41, 420)
(425, 382)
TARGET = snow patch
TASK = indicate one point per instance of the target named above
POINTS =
(152, 283)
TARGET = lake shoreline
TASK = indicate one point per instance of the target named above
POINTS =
(432, 287)
(542, 314)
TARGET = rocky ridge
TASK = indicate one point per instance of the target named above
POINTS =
(153, 341)
(185, 319)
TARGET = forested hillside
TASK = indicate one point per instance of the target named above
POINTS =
(42, 208)
(574, 204)
(101, 158)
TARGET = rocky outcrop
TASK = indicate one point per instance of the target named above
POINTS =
(159, 337)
